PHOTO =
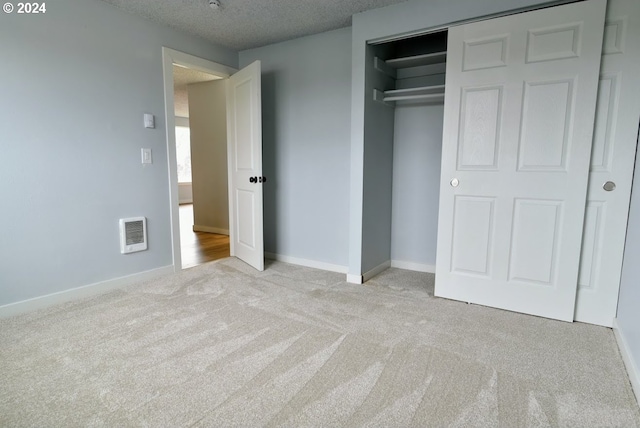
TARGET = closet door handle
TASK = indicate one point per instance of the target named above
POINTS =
(253, 179)
(609, 186)
(455, 182)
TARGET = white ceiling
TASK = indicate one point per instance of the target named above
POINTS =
(245, 24)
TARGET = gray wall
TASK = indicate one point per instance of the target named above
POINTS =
(208, 125)
(369, 228)
(417, 152)
(305, 120)
(629, 299)
(75, 85)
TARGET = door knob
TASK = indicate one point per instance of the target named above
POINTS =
(455, 182)
(609, 186)
(253, 179)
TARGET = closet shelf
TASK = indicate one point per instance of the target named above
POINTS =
(418, 60)
(425, 92)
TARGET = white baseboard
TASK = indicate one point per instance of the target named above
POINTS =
(208, 229)
(354, 279)
(361, 279)
(307, 263)
(417, 267)
(79, 292)
(630, 364)
(376, 270)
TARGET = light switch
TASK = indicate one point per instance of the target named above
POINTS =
(149, 121)
(146, 156)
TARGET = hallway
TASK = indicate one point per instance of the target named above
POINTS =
(199, 247)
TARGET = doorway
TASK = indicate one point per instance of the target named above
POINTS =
(201, 156)
(242, 111)
(196, 151)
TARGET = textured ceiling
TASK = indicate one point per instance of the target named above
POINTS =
(181, 78)
(245, 24)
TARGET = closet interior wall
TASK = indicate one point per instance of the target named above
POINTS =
(377, 167)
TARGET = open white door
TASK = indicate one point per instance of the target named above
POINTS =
(519, 110)
(612, 159)
(244, 137)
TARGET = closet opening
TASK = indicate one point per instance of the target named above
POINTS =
(408, 80)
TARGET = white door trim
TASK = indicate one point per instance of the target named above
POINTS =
(169, 58)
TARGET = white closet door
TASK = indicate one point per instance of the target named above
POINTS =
(244, 143)
(519, 109)
(612, 159)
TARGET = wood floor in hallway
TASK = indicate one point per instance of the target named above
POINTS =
(199, 247)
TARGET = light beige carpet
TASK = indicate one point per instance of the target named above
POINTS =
(222, 345)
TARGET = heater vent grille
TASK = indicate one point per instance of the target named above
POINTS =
(134, 231)
(133, 234)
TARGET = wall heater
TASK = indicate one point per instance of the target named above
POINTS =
(133, 234)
